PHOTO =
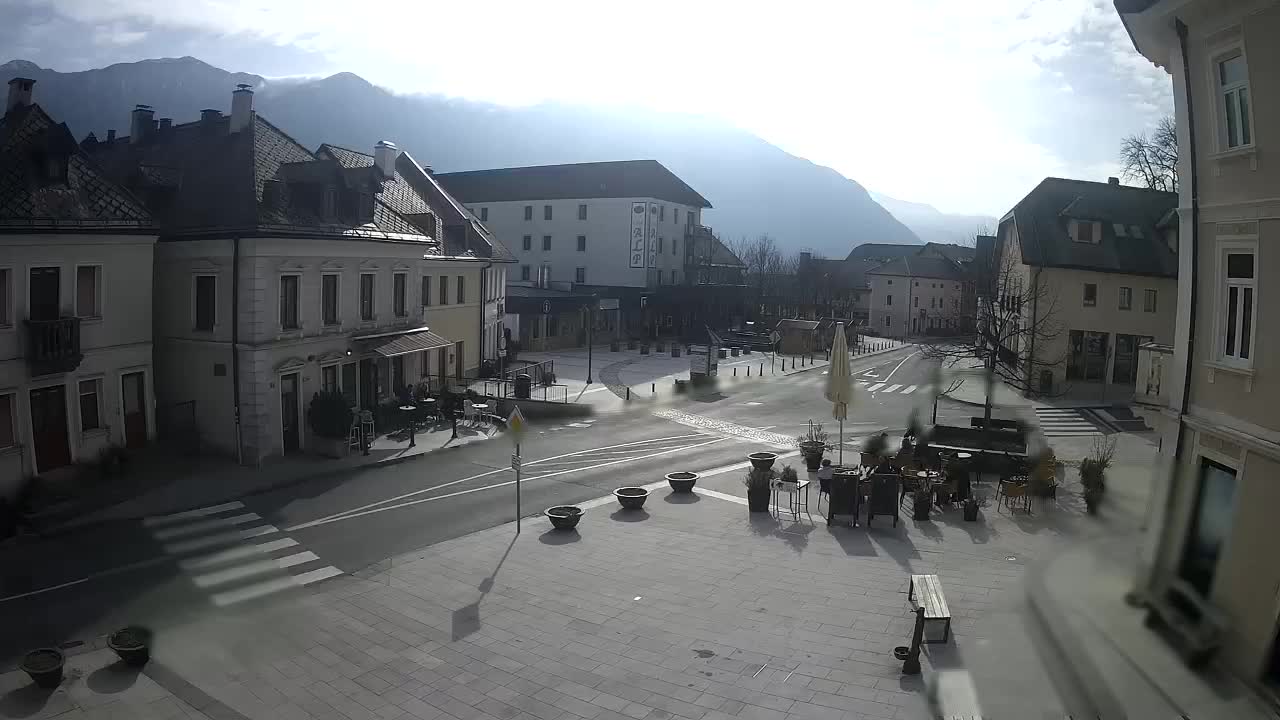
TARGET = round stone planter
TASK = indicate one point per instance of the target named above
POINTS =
(901, 652)
(682, 482)
(132, 644)
(631, 498)
(44, 666)
(812, 452)
(758, 500)
(563, 517)
(762, 460)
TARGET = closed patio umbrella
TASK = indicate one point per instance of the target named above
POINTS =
(839, 388)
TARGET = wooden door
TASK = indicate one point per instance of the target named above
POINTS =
(45, 290)
(49, 428)
(133, 395)
(289, 415)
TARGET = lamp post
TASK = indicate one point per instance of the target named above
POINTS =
(591, 321)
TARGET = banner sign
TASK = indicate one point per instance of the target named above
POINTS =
(652, 235)
(638, 216)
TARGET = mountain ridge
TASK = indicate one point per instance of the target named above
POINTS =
(754, 186)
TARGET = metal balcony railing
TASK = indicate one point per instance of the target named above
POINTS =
(53, 346)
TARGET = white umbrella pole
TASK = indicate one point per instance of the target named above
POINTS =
(842, 441)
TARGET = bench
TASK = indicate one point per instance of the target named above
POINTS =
(1190, 624)
(937, 616)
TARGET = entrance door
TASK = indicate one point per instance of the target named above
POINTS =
(45, 289)
(133, 391)
(49, 428)
(368, 384)
(289, 425)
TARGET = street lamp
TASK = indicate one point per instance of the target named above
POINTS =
(591, 321)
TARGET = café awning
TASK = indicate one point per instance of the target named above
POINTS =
(403, 344)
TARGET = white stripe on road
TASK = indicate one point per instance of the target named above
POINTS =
(317, 575)
(899, 366)
(196, 528)
(875, 387)
(181, 548)
(257, 567)
(910, 389)
(222, 557)
(892, 388)
(267, 587)
(198, 512)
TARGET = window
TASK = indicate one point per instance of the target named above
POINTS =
(524, 272)
(484, 214)
(546, 212)
(887, 320)
(890, 282)
(662, 212)
(1126, 298)
(675, 216)
(546, 242)
(582, 243)
(916, 300)
(8, 438)
(349, 383)
(366, 297)
(1236, 316)
(6, 304)
(462, 289)
(329, 378)
(1210, 523)
(1233, 83)
(673, 245)
(1149, 301)
(90, 405)
(444, 289)
(330, 208)
(89, 291)
(1120, 229)
(933, 303)
(580, 275)
(582, 211)
(426, 291)
(399, 282)
(528, 212)
(888, 299)
(528, 242)
(661, 241)
(1090, 294)
(673, 277)
(289, 302)
(206, 301)
(329, 299)
(1085, 232)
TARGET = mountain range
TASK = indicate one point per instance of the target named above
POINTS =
(754, 186)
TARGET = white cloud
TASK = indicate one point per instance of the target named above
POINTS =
(957, 104)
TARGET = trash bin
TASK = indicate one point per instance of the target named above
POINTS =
(524, 384)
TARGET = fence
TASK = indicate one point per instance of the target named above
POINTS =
(539, 371)
(505, 390)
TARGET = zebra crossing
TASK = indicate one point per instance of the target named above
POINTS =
(879, 387)
(1066, 422)
(234, 554)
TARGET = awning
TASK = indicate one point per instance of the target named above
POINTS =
(406, 343)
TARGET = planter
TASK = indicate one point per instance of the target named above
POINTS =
(563, 517)
(44, 666)
(758, 500)
(631, 344)
(970, 511)
(920, 508)
(682, 482)
(644, 349)
(631, 498)
(762, 460)
(330, 447)
(660, 346)
(746, 350)
(901, 652)
(132, 644)
(812, 451)
(675, 351)
(734, 351)
(613, 346)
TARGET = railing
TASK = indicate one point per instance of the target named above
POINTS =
(506, 390)
(53, 346)
(539, 372)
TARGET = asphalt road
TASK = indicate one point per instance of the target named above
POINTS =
(263, 546)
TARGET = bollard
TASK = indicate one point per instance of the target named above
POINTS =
(761, 370)
(735, 372)
(628, 392)
(652, 388)
(911, 665)
(748, 371)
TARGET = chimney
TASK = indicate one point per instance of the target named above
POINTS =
(140, 123)
(384, 158)
(806, 257)
(241, 108)
(209, 115)
(1113, 181)
(19, 93)
(166, 124)
(111, 135)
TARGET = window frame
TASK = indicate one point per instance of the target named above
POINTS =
(582, 211)
(11, 442)
(547, 214)
(527, 243)
(443, 291)
(1235, 246)
(424, 290)
(195, 302)
(6, 297)
(484, 214)
(400, 295)
(98, 294)
(526, 272)
(888, 300)
(462, 290)
(372, 315)
(1124, 301)
(546, 243)
(1153, 295)
(582, 243)
(1085, 295)
(580, 275)
(1222, 90)
(528, 213)
(97, 404)
(297, 301)
(336, 367)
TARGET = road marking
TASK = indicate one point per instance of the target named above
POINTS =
(892, 388)
(899, 366)
(222, 557)
(875, 387)
(196, 528)
(198, 512)
(703, 422)
(226, 538)
(258, 567)
(910, 389)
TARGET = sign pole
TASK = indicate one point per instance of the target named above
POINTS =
(516, 428)
(517, 464)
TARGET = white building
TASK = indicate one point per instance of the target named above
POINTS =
(281, 272)
(75, 302)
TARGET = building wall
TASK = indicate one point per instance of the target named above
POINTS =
(939, 299)
(117, 342)
(607, 229)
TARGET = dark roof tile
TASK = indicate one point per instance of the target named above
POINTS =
(617, 179)
(918, 266)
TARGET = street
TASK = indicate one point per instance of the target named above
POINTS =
(258, 548)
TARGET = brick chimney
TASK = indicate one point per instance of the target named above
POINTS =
(19, 93)
(241, 108)
(140, 123)
(1113, 181)
(111, 135)
(384, 158)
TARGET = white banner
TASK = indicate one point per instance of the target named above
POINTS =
(652, 235)
(637, 248)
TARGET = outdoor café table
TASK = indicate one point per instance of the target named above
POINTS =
(408, 411)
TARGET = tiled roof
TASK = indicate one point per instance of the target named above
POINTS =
(790, 324)
(86, 200)
(916, 266)
(958, 253)
(618, 179)
(1043, 221)
(425, 182)
(882, 252)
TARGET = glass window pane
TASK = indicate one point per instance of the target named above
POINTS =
(1245, 135)
(1240, 265)
(7, 437)
(1246, 323)
(1232, 138)
(1232, 71)
(1232, 295)
(87, 291)
(1209, 525)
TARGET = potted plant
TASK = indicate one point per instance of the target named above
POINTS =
(675, 350)
(812, 445)
(1093, 471)
(44, 666)
(759, 482)
(564, 517)
(132, 644)
(330, 419)
(789, 475)
(682, 481)
(913, 426)
(762, 460)
(873, 448)
(631, 498)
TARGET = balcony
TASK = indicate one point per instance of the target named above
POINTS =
(53, 346)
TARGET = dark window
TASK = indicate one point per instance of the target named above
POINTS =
(1210, 523)
(289, 302)
(553, 325)
(888, 299)
(546, 212)
(206, 302)
(662, 212)
(349, 383)
(329, 299)
(524, 272)
(528, 242)
(329, 378)
(397, 373)
(661, 241)
(580, 275)
(366, 297)
(582, 242)
(674, 242)
(462, 292)
(528, 212)
(89, 419)
(546, 242)
(673, 277)
(1126, 298)
(1149, 301)
(675, 216)
(484, 214)
(582, 211)
(1090, 294)
(399, 283)
(1084, 231)
(426, 290)
(8, 434)
(330, 208)
(444, 290)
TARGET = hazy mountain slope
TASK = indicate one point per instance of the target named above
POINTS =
(754, 186)
(931, 225)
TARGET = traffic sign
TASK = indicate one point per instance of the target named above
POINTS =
(775, 336)
(515, 461)
(546, 307)
(516, 425)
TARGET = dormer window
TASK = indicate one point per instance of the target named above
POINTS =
(330, 205)
(366, 207)
(50, 167)
(1086, 231)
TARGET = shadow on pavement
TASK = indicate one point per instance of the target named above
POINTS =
(559, 537)
(630, 515)
(113, 678)
(25, 701)
(681, 498)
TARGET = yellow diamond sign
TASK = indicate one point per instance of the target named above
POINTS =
(516, 425)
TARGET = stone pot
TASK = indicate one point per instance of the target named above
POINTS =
(970, 511)
(644, 349)
(44, 666)
(682, 482)
(811, 451)
(921, 507)
(613, 346)
(758, 500)
(631, 498)
(762, 460)
(132, 644)
(631, 344)
(563, 517)
(675, 351)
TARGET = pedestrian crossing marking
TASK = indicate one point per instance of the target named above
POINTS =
(876, 387)
(195, 528)
(198, 512)
(909, 389)
(892, 388)
(1066, 422)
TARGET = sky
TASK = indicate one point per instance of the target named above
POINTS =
(961, 105)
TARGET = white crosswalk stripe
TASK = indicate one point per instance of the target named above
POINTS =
(876, 387)
(892, 388)
(236, 554)
(1065, 422)
(909, 389)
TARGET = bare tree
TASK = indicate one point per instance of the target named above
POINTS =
(1152, 160)
(1015, 326)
